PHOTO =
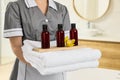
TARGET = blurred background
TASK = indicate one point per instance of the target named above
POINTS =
(98, 24)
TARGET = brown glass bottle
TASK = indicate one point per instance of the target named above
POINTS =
(60, 36)
(74, 33)
(45, 38)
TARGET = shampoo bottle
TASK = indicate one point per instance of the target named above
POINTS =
(45, 37)
(74, 33)
(60, 36)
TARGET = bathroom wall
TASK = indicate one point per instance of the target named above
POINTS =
(108, 25)
(0, 31)
(6, 54)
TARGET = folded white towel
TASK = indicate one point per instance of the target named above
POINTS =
(59, 61)
(63, 68)
(57, 58)
(67, 68)
(69, 57)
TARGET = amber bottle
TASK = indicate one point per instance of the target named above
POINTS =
(60, 36)
(74, 33)
(45, 38)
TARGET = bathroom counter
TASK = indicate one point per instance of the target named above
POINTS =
(110, 53)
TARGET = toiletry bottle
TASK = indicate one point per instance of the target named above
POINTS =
(74, 33)
(45, 38)
(60, 36)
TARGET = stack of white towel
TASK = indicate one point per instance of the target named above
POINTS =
(60, 61)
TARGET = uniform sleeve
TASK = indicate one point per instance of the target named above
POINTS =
(66, 19)
(12, 23)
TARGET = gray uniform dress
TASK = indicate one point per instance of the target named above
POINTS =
(24, 18)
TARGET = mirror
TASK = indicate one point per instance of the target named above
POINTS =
(90, 10)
